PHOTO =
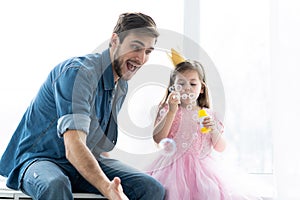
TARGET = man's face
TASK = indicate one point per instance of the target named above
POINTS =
(131, 54)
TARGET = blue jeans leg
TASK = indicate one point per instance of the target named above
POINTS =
(44, 180)
(136, 184)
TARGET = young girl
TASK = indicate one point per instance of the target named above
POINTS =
(186, 168)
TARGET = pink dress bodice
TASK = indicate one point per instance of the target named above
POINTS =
(185, 131)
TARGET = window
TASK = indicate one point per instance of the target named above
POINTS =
(236, 34)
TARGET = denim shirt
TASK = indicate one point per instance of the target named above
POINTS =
(78, 94)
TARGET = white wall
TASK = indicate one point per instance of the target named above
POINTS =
(36, 35)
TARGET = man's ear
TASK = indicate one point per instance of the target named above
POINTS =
(114, 40)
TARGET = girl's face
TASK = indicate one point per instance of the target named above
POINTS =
(188, 83)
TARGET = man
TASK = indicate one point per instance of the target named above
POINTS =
(57, 147)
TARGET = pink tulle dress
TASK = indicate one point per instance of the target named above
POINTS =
(190, 172)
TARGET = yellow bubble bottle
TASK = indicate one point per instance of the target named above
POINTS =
(203, 114)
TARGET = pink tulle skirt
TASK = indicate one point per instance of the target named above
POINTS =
(187, 177)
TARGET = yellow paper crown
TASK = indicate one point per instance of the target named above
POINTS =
(175, 57)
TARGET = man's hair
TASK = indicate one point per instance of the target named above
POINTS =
(135, 22)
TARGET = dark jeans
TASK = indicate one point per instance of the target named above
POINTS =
(47, 180)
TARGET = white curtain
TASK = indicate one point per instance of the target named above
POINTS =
(255, 46)
(285, 88)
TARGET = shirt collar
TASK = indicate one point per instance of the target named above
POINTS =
(108, 76)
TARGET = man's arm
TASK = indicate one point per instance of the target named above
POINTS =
(84, 161)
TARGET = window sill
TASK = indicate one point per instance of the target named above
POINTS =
(266, 187)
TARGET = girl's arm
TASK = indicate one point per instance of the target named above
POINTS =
(218, 141)
(162, 126)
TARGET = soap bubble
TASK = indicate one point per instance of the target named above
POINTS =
(192, 96)
(177, 96)
(184, 145)
(162, 112)
(168, 146)
(195, 117)
(185, 136)
(172, 88)
(195, 135)
(184, 96)
(194, 103)
(189, 107)
(178, 88)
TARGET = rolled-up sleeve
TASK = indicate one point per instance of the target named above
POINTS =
(73, 122)
(73, 91)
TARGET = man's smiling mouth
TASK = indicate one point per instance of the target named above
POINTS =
(131, 67)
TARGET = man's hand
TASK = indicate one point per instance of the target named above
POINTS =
(116, 190)
(84, 161)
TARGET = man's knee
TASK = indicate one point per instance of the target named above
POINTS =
(57, 187)
(41, 187)
(59, 183)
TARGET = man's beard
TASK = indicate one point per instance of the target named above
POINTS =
(117, 67)
(117, 63)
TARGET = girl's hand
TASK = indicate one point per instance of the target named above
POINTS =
(208, 122)
(173, 100)
(116, 190)
(218, 141)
